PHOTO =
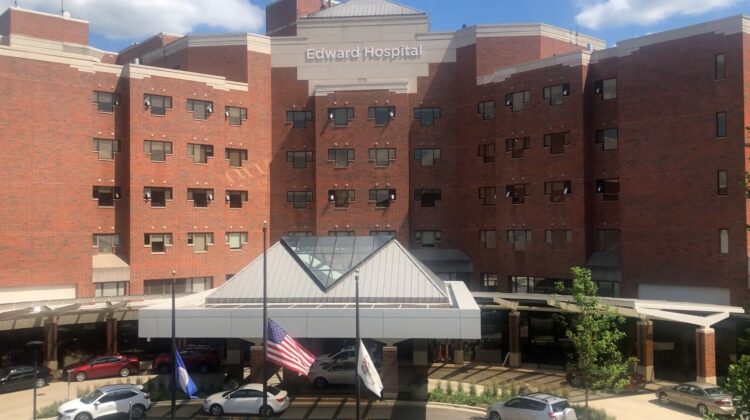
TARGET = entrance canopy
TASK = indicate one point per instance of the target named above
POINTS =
(311, 293)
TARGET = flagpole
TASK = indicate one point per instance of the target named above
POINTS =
(265, 325)
(357, 344)
(174, 351)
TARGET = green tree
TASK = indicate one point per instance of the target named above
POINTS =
(595, 334)
(738, 384)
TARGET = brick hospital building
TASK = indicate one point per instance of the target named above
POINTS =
(502, 155)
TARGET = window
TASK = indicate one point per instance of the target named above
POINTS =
(157, 149)
(721, 124)
(489, 280)
(488, 196)
(299, 159)
(519, 239)
(106, 149)
(428, 238)
(607, 240)
(719, 68)
(526, 284)
(185, 285)
(556, 142)
(341, 198)
(721, 180)
(606, 88)
(558, 238)
(157, 196)
(426, 116)
(340, 233)
(557, 190)
(200, 109)
(111, 288)
(554, 94)
(157, 104)
(427, 157)
(517, 193)
(488, 238)
(106, 196)
(517, 100)
(382, 198)
(340, 116)
(106, 244)
(486, 152)
(382, 156)
(607, 138)
(236, 198)
(157, 241)
(235, 156)
(381, 114)
(388, 233)
(200, 196)
(427, 197)
(235, 115)
(299, 198)
(106, 101)
(299, 119)
(609, 188)
(200, 152)
(486, 109)
(517, 146)
(294, 234)
(724, 241)
(200, 241)
(341, 157)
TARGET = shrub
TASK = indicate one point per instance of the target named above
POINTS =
(591, 413)
(49, 410)
(473, 390)
(449, 389)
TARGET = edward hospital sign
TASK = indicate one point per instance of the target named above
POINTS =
(364, 53)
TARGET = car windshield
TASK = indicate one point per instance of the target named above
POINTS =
(273, 390)
(560, 406)
(712, 392)
(91, 396)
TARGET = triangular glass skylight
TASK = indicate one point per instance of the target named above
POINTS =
(329, 258)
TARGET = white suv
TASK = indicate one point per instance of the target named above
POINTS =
(107, 401)
(536, 406)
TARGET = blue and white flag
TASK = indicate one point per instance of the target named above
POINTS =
(184, 381)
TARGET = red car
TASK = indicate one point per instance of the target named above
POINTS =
(102, 366)
(201, 359)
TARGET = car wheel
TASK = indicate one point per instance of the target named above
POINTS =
(137, 411)
(663, 398)
(265, 411)
(80, 377)
(216, 410)
(320, 383)
(163, 368)
(494, 415)
(124, 372)
(41, 382)
(702, 410)
(84, 416)
(203, 368)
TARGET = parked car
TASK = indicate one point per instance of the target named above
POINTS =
(16, 378)
(107, 401)
(247, 399)
(339, 373)
(102, 366)
(706, 398)
(200, 358)
(636, 381)
(535, 406)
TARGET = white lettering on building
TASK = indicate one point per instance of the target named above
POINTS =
(366, 53)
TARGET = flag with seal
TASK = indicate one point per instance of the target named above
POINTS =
(368, 373)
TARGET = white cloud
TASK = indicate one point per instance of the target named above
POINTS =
(597, 13)
(136, 19)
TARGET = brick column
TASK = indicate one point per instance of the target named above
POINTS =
(234, 358)
(390, 372)
(111, 332)
(256, 365)
(419, 352)
(705, 354)
(645, 349)
(514, 339)
(50, 343)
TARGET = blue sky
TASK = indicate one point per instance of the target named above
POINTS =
(610, 20)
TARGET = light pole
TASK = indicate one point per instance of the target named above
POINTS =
(174, 351)
(357, 342)
(34, 345)
(265, 327)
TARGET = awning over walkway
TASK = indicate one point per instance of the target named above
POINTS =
(109, 268)
(311, 294)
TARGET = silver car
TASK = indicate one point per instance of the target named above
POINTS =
(706, 398)
(536, 406)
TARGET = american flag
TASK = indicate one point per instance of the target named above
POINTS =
(285, 351)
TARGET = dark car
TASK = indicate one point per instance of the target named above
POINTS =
(16, 378)
(102, 366)
(201, 359)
